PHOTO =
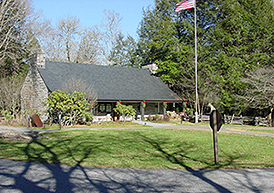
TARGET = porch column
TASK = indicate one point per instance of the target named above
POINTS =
(164, 108)
(142, 111)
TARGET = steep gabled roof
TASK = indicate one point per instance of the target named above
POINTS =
(110, 82)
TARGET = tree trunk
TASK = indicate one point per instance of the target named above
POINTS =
(272, 117)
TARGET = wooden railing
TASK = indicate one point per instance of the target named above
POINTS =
(241, 120)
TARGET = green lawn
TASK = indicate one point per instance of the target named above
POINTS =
(143, 148)
(255, 130)
(94, 125)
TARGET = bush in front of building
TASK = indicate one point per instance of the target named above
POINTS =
(125, 110)
(71, 109)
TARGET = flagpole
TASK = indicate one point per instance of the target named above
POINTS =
(189, 4)
(196, 71)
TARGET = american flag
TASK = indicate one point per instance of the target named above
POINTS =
(186, 4)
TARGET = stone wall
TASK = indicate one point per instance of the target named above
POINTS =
(34, 91)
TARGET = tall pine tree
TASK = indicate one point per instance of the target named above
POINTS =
(240, 41)
(234, 37)
(167, 38)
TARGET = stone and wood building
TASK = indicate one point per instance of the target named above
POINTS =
(112, 84)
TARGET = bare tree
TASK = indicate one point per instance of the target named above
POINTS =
(11, 15)
(68, 30)
(51, 44)
(90, 48)
(111, 27)
(260, 90)
(70, 42)
(10, 94)
(78, 85)
(18, 31)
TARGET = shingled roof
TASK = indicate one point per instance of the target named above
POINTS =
(111, 83)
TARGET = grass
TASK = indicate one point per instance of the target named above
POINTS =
(94, 125)
(255, 130)
(143, 148)
(187, 123)
(248, 128)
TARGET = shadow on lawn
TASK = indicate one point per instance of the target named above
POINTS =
(178, 157)
(51, 176)
(181, 151)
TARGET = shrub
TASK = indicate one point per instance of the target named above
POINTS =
(73, 108)
(125, 110)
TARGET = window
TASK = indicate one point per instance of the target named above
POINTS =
(102, 108)
(108, 108)
(105, 108)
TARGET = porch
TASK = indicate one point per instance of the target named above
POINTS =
(103, 111)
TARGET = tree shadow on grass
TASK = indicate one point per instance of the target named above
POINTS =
(49, 175)
(178, 157)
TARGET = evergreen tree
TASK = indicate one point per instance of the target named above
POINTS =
(240, 41)
(160, 42)
(234, 37)
(167, 38)
(123, 52)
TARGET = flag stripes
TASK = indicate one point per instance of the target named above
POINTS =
(186, 4)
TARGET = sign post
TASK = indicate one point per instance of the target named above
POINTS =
(59, 121)
(215, 123)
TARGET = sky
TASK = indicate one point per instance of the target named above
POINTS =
(91, 12)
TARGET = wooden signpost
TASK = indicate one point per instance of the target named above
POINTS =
(216, 122)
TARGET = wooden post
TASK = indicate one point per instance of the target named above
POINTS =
(215, 141)
(142, 112)
(216, 122)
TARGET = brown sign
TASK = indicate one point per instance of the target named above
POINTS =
(36, 121)
(216, 120)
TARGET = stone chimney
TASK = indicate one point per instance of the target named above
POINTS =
(34, 91)
(152, 68)
(37, 59)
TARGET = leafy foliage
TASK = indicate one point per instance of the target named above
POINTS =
(125, 110)
(123, 52)
(167, 38)
(73, 108)
(240, 42)
(234, 37)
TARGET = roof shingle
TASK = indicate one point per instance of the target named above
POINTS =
(110, 82)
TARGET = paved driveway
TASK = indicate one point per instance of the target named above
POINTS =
(33, 177)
